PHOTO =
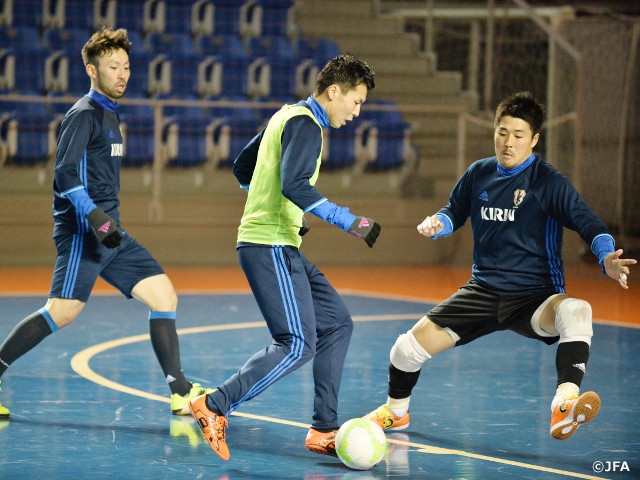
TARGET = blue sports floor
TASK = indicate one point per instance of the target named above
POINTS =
(90, 402)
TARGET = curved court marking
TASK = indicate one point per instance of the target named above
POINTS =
(80, 364)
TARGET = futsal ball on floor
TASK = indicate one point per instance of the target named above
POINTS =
(360, 443)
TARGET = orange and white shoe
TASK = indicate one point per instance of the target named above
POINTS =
(384, 417)
(571, 412)
(213, 426)
(321, 443)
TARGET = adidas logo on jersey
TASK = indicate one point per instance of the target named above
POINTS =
(484, 196)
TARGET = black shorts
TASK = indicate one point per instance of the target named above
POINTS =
(474, 311)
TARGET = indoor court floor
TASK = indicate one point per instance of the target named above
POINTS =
(90, 401)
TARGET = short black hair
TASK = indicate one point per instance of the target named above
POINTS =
(522, 105)
(346, 71)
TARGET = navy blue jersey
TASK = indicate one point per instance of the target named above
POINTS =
(517, 217)
(88, 159)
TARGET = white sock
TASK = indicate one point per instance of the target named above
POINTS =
(398, 406)
(564, 390)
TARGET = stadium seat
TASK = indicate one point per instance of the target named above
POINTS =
(130, 15)
(31, 135)
(277, 19)
(104, 13)
(343, 146)
(137, 126)
(202, 14)
(77, 14)
(179, 18)
(30, 76)
(273, 74)
(319, 49)
(26, 13)
(235, 126)
(21, 39)
(227, 46)
(53, 14)
(390, 137)
(69, 39)
(171, 44)
(227, 17)
(6, 13)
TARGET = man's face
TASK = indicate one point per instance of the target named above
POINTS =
(112, 74)
(513, 141)
(344, 106)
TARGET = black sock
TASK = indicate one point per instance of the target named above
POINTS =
(164, 340)
(571, 361)
(25, 335)
(401, 383)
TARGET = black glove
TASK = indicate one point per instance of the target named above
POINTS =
(105, 228)
(304, 228)
(366, 228)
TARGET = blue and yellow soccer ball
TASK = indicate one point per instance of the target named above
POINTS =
(360, 444)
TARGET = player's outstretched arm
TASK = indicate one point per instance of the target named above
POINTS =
(618, 268)
(360, 227)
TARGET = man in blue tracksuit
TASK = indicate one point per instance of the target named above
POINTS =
(305, 315)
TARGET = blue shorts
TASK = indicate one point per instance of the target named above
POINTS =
(82, 259)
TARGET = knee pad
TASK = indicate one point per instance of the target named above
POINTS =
(407, 354)
(573, 321)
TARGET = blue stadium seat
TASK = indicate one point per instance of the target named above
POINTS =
(69, 39)
(29, 74)
(22, 39)
(227, 17)
(27, 13)
(275, 74)
(236, 126)
(31, 135)
(130, 15)
(78, 14)
(202, 14)
(320, 49)
(227, 46)
(271, 47)
(178, 17)
(192, 130)
(171, 44)
(184, 76)
(391, 136)
(277, 18)
(138, 130)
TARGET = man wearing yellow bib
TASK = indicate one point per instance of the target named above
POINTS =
(305, 315)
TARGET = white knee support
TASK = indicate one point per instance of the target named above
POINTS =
(573, 321)
(407, 354)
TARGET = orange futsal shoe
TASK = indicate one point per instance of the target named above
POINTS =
(571, 412)
(384, 417)
(213, 426)
(321, 443)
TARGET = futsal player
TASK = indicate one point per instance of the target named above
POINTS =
(518, 205)
(89, 239)
(306, 317)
